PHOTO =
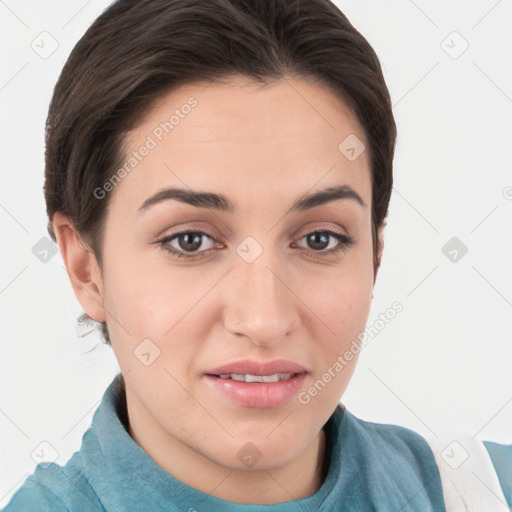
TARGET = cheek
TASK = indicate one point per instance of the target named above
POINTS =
(149, 303)
(341, 302)
(343, 305)
(343, 291)
(138, 299)
(151, 298)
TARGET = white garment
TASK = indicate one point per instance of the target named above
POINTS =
(468, 477)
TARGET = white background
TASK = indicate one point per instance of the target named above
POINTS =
(444, 361)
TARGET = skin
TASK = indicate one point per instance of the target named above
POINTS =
(263, 147)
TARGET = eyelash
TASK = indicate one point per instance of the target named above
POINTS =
(345, 242)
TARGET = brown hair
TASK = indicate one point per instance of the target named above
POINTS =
(137, 50)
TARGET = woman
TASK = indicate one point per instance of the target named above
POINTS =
(218, 176)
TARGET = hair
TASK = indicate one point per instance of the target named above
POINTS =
(138, 50)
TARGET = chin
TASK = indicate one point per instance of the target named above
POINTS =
(259, 452)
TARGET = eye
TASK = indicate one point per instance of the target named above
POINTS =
(319, 241)
(186, 244)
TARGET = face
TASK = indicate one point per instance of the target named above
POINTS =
(189, 288)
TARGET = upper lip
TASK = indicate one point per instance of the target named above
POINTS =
(258, 367)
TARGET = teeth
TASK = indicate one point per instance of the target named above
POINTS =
(256, 378)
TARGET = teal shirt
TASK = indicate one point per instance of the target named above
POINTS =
(370, 467)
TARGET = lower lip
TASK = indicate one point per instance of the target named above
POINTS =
(259, 395)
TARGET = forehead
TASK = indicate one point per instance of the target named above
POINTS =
(284, 137)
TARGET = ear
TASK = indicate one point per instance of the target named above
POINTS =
(379, 250)
(82, 267)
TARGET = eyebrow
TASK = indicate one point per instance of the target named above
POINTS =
(222, 203)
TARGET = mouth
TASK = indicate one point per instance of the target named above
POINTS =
(257, 384)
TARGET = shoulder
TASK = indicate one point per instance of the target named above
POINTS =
(427, 456)
(54, 488)
(501, 457)
(398, 463)
(397, 440)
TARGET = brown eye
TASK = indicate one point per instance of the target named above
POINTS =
(186, 244)
(319, 241)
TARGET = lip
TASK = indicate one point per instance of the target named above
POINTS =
(258, 395)
(258, 367)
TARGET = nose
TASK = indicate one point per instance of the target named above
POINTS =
(261, 305)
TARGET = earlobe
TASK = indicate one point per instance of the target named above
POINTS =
(81, 266)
